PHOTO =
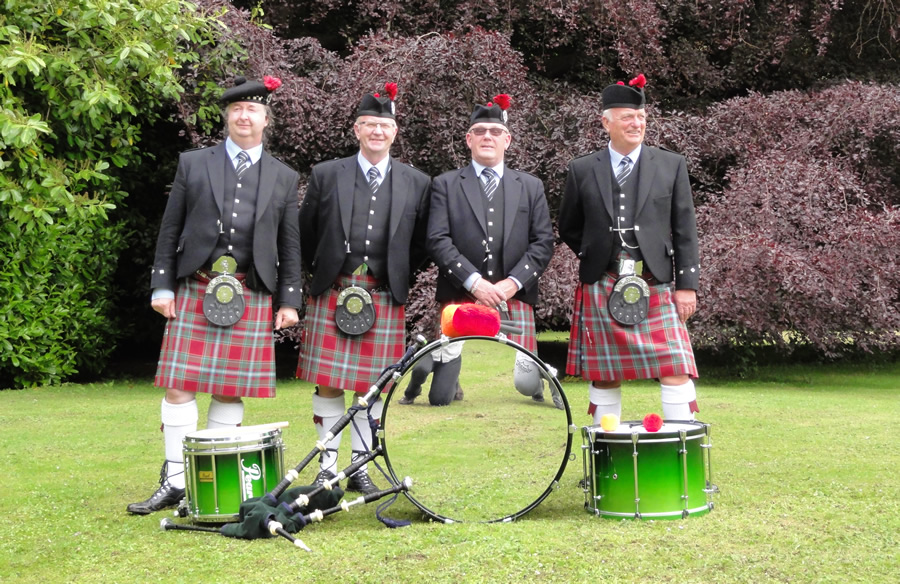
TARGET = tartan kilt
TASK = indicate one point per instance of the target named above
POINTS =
(522, 315)
(601, 349)
(331, 358)
(235, 361)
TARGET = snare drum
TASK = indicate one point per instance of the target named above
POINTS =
(226, 466)
(634, 473)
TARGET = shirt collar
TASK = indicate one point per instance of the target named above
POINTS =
(480, 167)
(382, 166)
(233, 150)
(615, 158)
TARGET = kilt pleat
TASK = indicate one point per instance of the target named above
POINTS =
(235, 361)
(601, 349)
(331, 358)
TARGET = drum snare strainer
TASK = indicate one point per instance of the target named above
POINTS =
(634, 473)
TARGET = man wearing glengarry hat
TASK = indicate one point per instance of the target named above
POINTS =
(489, 233)
(228, 251)
(628, 214)
(362, 223)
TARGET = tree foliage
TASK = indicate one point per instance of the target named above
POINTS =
(80, 79)
(694, 50)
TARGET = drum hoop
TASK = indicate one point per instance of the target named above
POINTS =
(426, 352)
(597, 434)
(231, 449)
(247, 443)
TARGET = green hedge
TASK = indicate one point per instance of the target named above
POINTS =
(80, 80)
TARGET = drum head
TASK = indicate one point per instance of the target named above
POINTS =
(494, 455)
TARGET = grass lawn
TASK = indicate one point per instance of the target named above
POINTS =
(805, 458)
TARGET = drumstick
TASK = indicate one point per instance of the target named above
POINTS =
(272, 426)
(303, 499)
(364, 401)
(319, 515)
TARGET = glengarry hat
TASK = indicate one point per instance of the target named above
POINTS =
(493, 112)
(630, 96)
(380, 106)
(256, 91)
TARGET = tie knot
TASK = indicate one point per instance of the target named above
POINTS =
(243, 163)
(625, 161)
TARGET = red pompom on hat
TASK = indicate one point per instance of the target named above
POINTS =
(503, 101)
(463, 320)
(271, 83)
(640, 81)
(652, 422)
(391, 90)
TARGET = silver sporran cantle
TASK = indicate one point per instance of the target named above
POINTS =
(355, 312)
(223, 303)
(629, 301)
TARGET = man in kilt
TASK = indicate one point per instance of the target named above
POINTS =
(489, 233)
(231, 218)
(362, 223)
(630, 206)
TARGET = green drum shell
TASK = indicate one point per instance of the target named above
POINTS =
(672, 474)
(222, 471)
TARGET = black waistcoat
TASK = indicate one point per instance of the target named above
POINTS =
(369, 227)
(624, 203)
(238, 216)
(493, 244)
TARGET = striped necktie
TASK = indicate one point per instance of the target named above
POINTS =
(373, 175)
(490, 182)
(624, 170)
(243, 163)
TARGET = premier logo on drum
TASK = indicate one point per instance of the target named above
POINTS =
(250, 474)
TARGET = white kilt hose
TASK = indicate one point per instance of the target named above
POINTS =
(601, 349)
(235, 361)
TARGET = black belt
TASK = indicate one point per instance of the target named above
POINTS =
(204, 274)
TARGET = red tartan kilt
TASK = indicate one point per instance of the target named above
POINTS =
(601, 349)
(331, 358)
(235, 361)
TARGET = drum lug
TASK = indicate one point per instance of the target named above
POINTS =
(572, 428)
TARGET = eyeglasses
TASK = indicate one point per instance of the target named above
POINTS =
(376, 126)
(495, 132)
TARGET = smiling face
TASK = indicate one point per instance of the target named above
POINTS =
(487, 148)
(246, 122)
(375, 137)
(626, 128)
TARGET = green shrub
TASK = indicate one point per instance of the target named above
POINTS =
(79, 82)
